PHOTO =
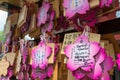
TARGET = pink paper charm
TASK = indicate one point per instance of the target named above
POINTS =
(40, 55)
(20, 75)
(90, 18)
(87, 60)
(96, 72)
(105, 3)
(52, 15)
(106, 66)
(42, 74)
(38, 73)
(118, 61)
(23, 74)
(42, 13)
(75, 6)
(48, 26)
(24, 50)
(100, 72)
(81, 54)
(10, 72)
(4, 78)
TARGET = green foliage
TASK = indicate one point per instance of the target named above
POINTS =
(2, 37)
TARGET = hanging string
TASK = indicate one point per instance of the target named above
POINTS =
(86, 28)
(43, 37)
(78, 21)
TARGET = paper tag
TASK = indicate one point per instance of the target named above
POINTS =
(70, 39)
(10, 57)
(13, 18)
(3, 67)
(22, 16)
(17, 63)
(33, 23)
(7, 27)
